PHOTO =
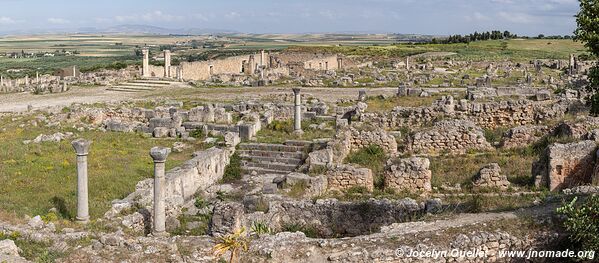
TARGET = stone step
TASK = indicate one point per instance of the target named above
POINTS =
(123, 90)
(271, 154)
(298, 143)
(263, 159)
(140, 88)
(270, 147)
(154, 81)
(261, 171)
(270, 166)
(149, 85)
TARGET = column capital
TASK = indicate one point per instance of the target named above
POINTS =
(81, 146)
(296, 91)
(159, 154)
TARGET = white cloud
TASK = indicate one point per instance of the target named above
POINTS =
(477, 16)
(232, 15)
(58, 21)
(517, 18)
(7, 20)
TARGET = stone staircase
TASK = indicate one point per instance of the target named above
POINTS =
(142, 85)
(265, 158)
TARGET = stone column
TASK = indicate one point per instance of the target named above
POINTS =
(82, 149)
(37, 77)
(146, 63)
(74, 71)
(297, 120)
(167, 63)
(159, 155)
(1, 81)
(408, 63)
(262, 58)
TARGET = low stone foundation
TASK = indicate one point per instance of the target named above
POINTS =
(454, 137)
(344, 176)
(490, 177)
(411, 174)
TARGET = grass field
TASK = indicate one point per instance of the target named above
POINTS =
(37, 177)
(515, 49)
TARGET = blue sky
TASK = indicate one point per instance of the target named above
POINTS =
(439, 17)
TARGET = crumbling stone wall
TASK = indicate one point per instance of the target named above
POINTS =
(342, 177)
(181, 183)
(330, 217)
(566, 165)
(485, 114)
(490, 176)
(523, 136)
(455, 137)
(353, 138)
(409, 174)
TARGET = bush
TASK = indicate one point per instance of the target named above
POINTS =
(372, 157)
(233, 170)
(583, 222)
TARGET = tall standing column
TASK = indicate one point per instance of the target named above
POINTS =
(159, 155)
(262, 58)
(146, 63)
(82, 149)
(298, 112)
(167, 63)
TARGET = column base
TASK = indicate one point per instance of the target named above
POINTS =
(298, 132)
(160, 234)
(82, 220)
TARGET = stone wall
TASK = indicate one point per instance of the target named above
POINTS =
(156, 71)
(342, 177)
(523, 136)
(354, 138)
(181, 183)
(484, 114)
(454, 137)
(410, 174)
(566, 165)
(322, 63)
(490, 176)
(330, 217)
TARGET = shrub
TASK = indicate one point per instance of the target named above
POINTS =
(233, 170)
(372, 157)
(583, 222)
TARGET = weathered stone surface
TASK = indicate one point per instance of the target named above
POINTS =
(9, 252)
(226, 218)
(454, 137)
(522, 136)
(566, 165)
(342, 177)
(332, 217)
(490, 176)
(410, 174)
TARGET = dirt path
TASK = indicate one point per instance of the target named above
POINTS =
(19, 102)
(466, 219)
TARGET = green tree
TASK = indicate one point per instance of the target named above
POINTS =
(588, 33)
(582, 222)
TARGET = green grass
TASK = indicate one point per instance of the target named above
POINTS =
(232, 170)
(281, 131)
(516, 49)
(451, 170)
(372, 157)
(380, 104)
(37, 177)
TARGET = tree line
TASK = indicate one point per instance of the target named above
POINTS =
(489, 35)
